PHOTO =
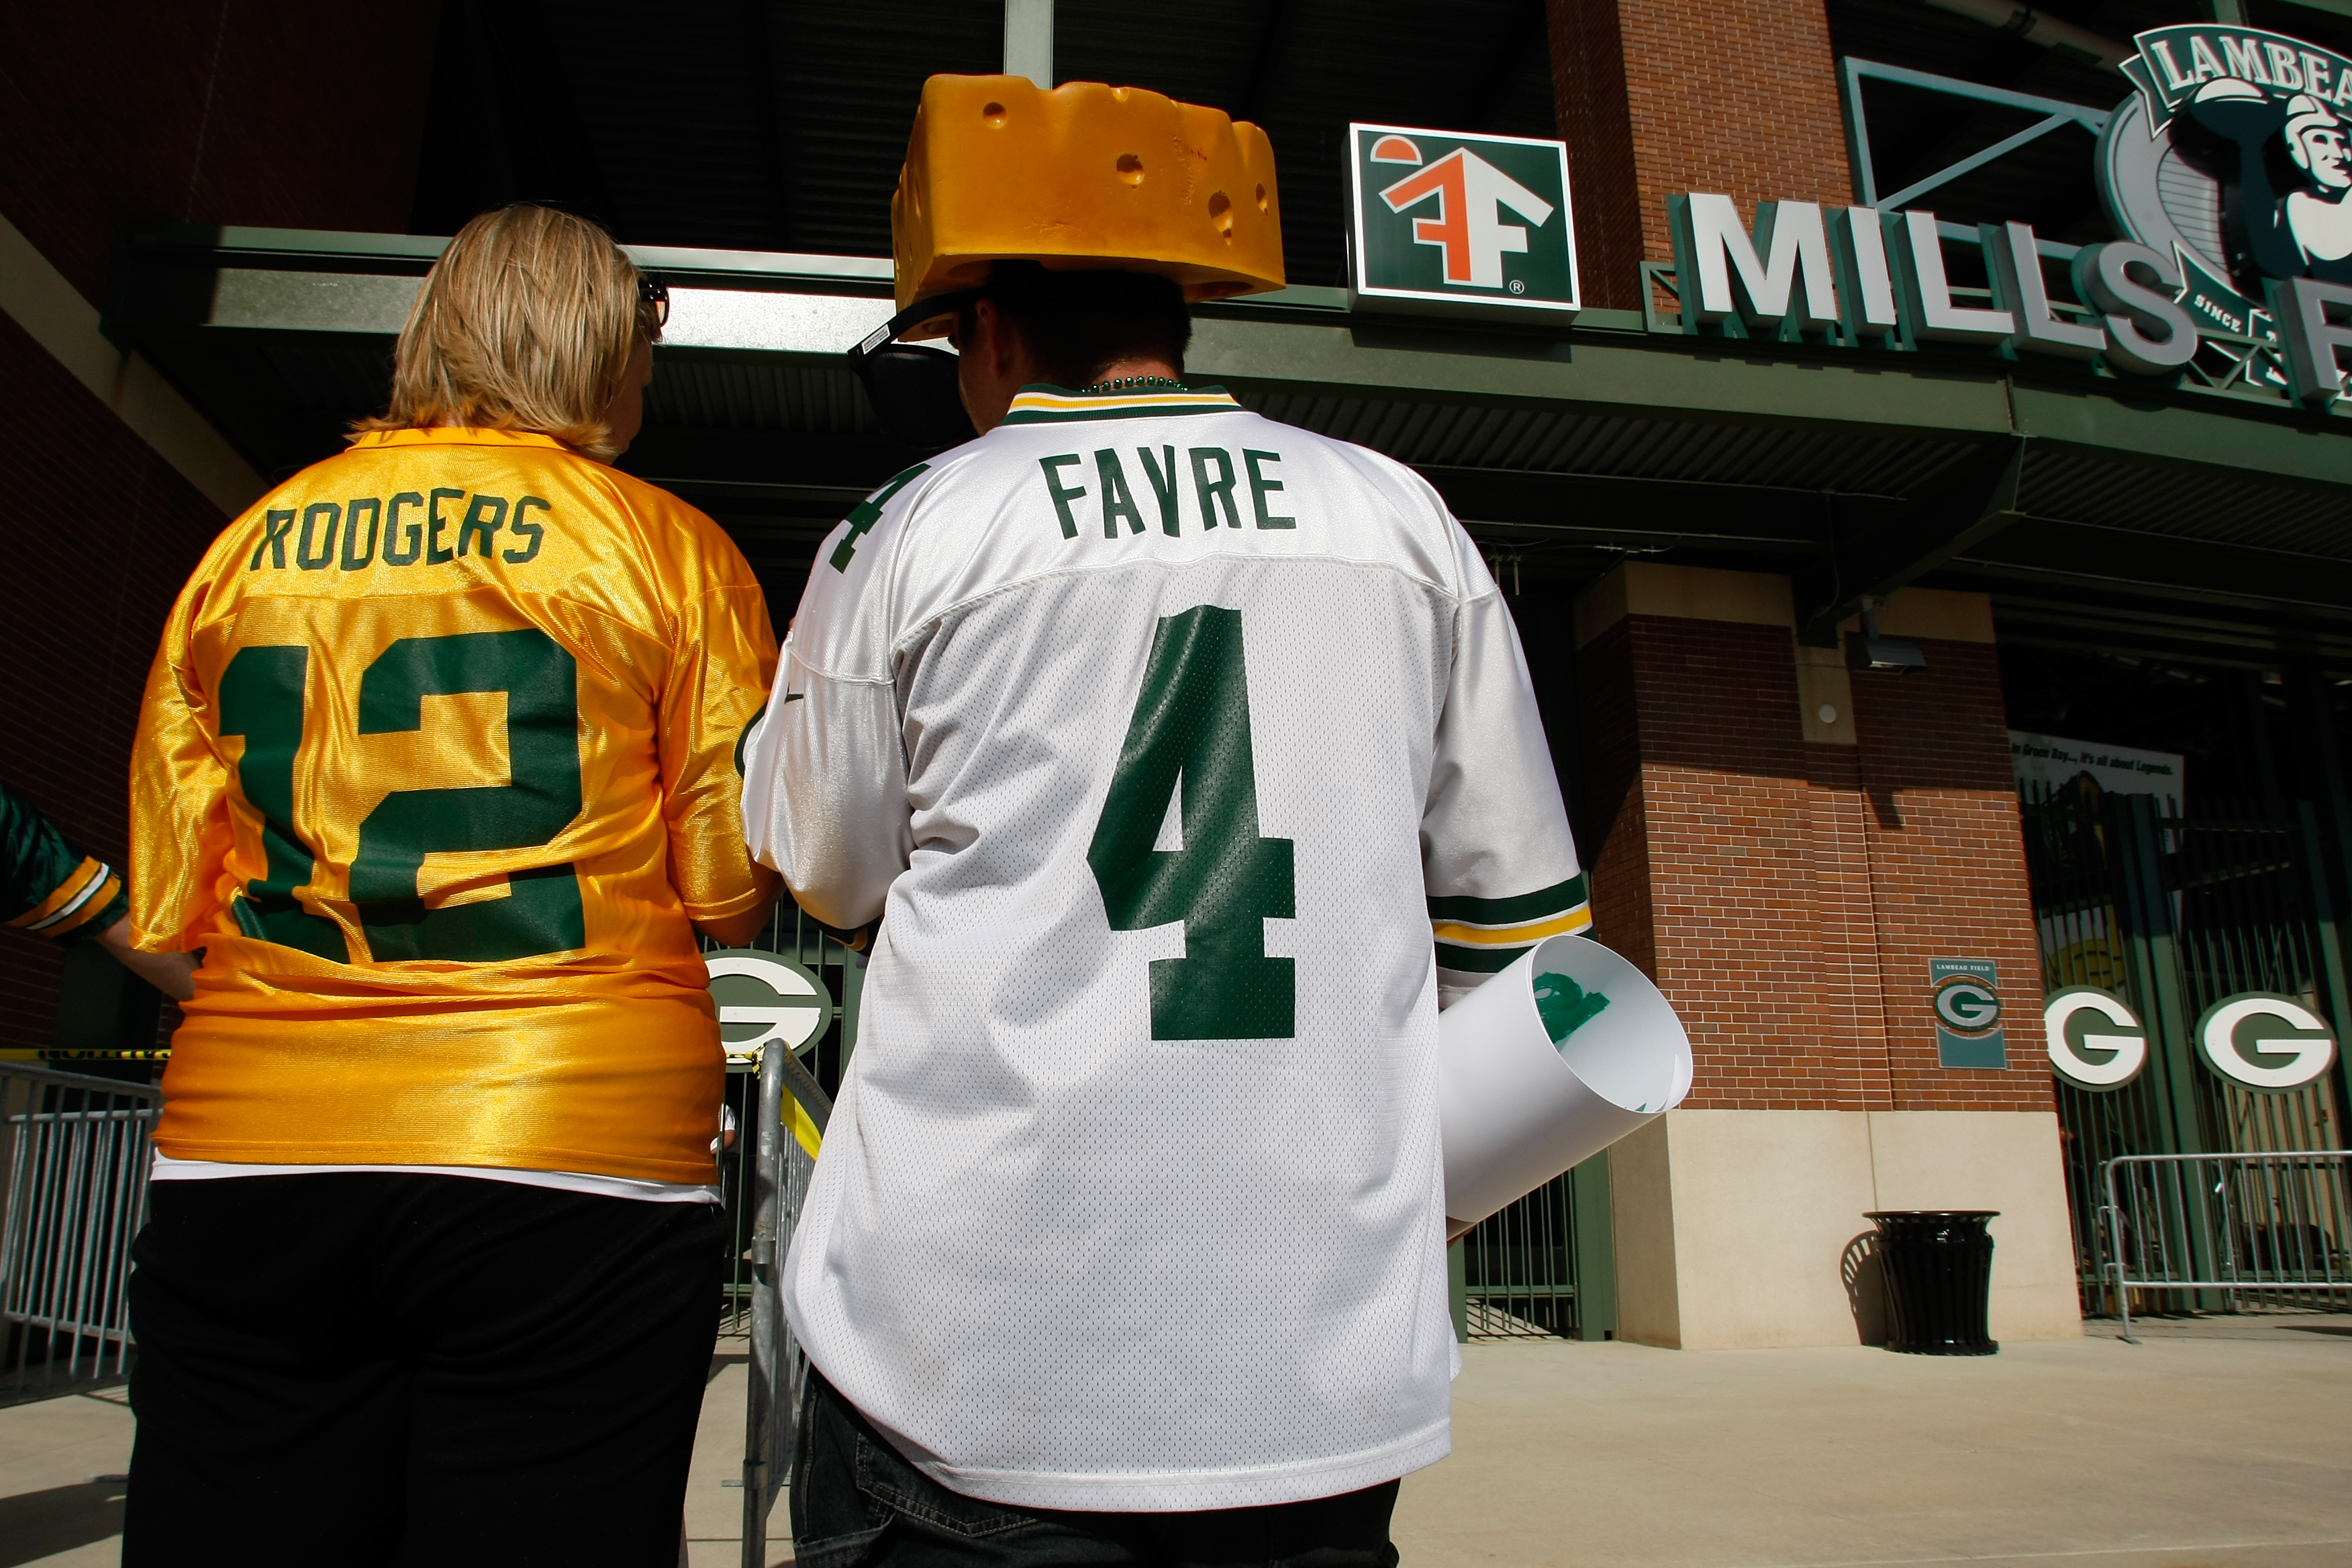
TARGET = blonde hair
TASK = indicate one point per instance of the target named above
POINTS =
(527, 322)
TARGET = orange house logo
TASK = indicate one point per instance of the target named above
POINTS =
(1463, 224)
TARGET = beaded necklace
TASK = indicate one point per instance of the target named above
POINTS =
(1139, 384)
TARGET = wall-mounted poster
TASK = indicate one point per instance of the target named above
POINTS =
(2053, 762)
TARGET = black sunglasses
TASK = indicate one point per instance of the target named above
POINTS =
(653, 300)
(913, 389)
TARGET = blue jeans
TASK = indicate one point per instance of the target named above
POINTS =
(856, 1503)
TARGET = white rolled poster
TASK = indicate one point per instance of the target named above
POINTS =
(1544, 1066)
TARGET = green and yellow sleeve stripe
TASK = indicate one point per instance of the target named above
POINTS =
(1480, 936)
(90, 893)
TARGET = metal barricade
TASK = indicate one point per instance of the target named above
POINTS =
(2218, 1225)
(74, 1151)
(779, 1179)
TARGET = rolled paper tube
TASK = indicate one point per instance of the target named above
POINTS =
(1546, 1065)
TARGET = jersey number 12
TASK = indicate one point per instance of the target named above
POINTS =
(1191, 733)
(262, 698)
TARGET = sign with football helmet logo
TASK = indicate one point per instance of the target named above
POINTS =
(1476, 225)
(2234, 158)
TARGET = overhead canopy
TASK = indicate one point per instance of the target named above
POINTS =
(2098, 514)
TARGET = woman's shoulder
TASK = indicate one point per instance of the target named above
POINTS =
(673, 529)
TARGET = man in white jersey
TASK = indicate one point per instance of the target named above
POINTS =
(1160, 735)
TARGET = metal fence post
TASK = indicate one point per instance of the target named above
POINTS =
(73, 1154)
(1596, 1250)
(759, 1414)
(2281, 1231)
(2331, 955)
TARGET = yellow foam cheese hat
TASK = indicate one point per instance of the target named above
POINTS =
(1084, 176)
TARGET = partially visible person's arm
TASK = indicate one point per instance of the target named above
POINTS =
(824, 775)
(180, 827)
(719, 673)
(172, 974)
(1497, 858)
(52, 889)
(825, 791)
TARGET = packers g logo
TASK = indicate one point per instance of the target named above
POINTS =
(2265, 1042)
(1967, 1001)
(2095, 1041)
(1968, 1004)
(764, 997)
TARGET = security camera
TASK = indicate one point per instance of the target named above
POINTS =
(1866, 649)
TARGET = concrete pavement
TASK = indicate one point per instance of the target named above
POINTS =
(2217, 1444)
(2225, 1444)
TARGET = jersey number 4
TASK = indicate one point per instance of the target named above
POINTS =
(1191, 733)
(262, 698)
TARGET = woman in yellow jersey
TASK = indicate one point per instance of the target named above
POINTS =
(437, 769)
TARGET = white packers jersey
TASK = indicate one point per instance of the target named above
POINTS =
(1161, 735)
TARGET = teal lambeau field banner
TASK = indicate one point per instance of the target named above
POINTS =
(1968, 1013)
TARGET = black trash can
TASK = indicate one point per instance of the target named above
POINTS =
(1938, 1265)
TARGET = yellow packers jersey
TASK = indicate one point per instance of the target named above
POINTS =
(437, 762)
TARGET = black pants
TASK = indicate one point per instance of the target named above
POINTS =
(363, 1368)
(855, 1502)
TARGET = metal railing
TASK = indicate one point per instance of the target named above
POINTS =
(777, 1178)
(2220, 1225)
(1519, 1268)
(74, 1151)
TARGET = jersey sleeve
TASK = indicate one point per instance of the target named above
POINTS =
(824, 775)
(1497, 858)
(48, 887)
(181, 832)
(726, 652)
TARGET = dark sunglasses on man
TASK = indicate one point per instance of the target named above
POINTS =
(912, 386)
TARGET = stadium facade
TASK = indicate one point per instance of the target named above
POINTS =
(1939, 605)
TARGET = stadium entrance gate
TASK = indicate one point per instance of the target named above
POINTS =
(2173, 914)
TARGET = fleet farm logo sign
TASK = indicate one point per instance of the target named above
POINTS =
(2234, 158)
(1469, 225)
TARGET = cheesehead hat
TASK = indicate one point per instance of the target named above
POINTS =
(1082, 176)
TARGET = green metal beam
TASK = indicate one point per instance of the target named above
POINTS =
(2314, 447)
(191, 298)
(1966, 508)
(1618, 376)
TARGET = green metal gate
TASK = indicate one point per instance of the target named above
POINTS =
(2174, 914)
(790, 934)
(1543, 1265)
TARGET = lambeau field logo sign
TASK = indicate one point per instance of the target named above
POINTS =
(2234, 159)
(1469, 225)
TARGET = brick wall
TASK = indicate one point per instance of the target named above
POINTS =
(1947, 868)
(115, 119)
(1787, 896)
(121, 117)
(100, 534)
(1660, 97)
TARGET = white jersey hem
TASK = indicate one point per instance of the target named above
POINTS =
(636, 1189)
(1193, 1490)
